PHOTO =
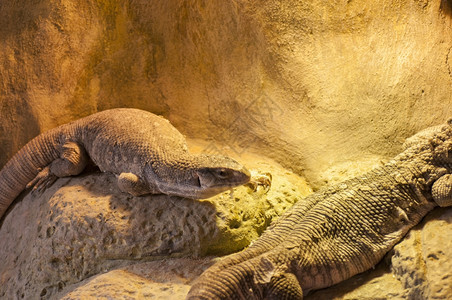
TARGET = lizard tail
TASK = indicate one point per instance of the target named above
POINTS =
(25, 165)
(243, 281)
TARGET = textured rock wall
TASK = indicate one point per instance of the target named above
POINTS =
(311, 83)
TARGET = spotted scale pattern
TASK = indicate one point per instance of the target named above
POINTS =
(144, 150)
(339, 231)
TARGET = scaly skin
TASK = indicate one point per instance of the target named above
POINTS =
(145, 151)
(340, 231)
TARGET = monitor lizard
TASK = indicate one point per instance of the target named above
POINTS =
(341, 230)
(147, 153)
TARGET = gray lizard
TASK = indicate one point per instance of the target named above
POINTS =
(341, 230)
(145, 151)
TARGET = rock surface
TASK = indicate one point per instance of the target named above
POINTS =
(422, 261)
(83, 226)
(167, 279)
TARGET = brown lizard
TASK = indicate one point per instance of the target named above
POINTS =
(341, 230)
(148, 155)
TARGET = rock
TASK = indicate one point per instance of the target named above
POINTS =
(166, 279)
(83, 226)
(422, 261)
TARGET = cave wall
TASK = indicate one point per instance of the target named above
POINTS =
(312, 84)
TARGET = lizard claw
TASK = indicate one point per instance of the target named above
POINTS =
(43, 180)
(263, 180)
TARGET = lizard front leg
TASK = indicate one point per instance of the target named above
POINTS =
(72, 161)
(134, 185)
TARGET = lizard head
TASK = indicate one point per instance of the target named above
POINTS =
(217, 174)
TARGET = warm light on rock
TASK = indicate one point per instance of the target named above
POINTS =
(326, 90)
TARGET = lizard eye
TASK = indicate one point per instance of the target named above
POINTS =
(222, 173)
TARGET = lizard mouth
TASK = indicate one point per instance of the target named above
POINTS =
(205, 183)
(209, 186)
(222, 178)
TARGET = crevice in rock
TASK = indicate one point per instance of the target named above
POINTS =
(448, 57)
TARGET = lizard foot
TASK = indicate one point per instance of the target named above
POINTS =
(285, 286)
(442, 191)
(260, 180)
(43, 180)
